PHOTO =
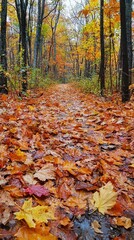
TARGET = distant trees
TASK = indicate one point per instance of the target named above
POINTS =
(3, 51)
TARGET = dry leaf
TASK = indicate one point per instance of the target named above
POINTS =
(123, 221)
(104, 199)
(6, 198)
(5, 216)
(70, 167)
(33, 215)
(37, 190)
(28, 178)
(45, 173)
(96, 226)
(26, 233)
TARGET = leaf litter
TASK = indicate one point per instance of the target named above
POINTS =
(66, 163)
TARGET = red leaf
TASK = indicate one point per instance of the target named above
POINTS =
(37, 190)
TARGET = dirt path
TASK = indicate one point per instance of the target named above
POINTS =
(79, 143)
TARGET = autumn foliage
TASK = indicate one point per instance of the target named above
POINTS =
(66, 160)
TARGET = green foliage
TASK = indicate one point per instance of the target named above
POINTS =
(45, 30)
(89, 85)
(37, 79)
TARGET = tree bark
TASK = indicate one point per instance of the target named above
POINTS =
(102, 65)
(124, 49)
(129, 34)
(41, 9)
(21, 7)
(3, 53)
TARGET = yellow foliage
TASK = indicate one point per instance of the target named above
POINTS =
(34, 215)
(104, 199)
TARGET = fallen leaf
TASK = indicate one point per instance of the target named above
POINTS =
(29, 178)
(104, 199)
(3, 181)
(34, 215)
(6, 198)
(123, 221)
(65, 221)
(14, 191)
(26, 233)
(70, 167)
(96, 226)
(37, 190)
(5, 216)
(64, 191)
(45, 173)
(18, 156)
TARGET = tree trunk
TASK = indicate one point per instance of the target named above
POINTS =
(87, 69)
(41, 9)
(3, 53)
(102, 65)
(21, 8)
(129, 34)
(124, 49)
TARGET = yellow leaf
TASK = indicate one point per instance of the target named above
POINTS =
(31, 108)
(104, 199)
(26, 213)
(33, 215)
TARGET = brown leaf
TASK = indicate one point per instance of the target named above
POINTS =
(6, 198)
(64, 191)
(45, 173)
(123, 221)
(96, 226)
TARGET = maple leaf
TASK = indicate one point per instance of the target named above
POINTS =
(33, 215)
(47, 172)
(70, 167)
(37, 190)
(25, 233)
(28, 178)
(104, 199)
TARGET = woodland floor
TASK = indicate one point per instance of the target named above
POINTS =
(59, 147)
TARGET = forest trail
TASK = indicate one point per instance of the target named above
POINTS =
(58, 148)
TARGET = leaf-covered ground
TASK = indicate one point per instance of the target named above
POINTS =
(67, 165)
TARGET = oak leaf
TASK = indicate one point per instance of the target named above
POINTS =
(104, 199)
(34, 215)
(45, 173)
